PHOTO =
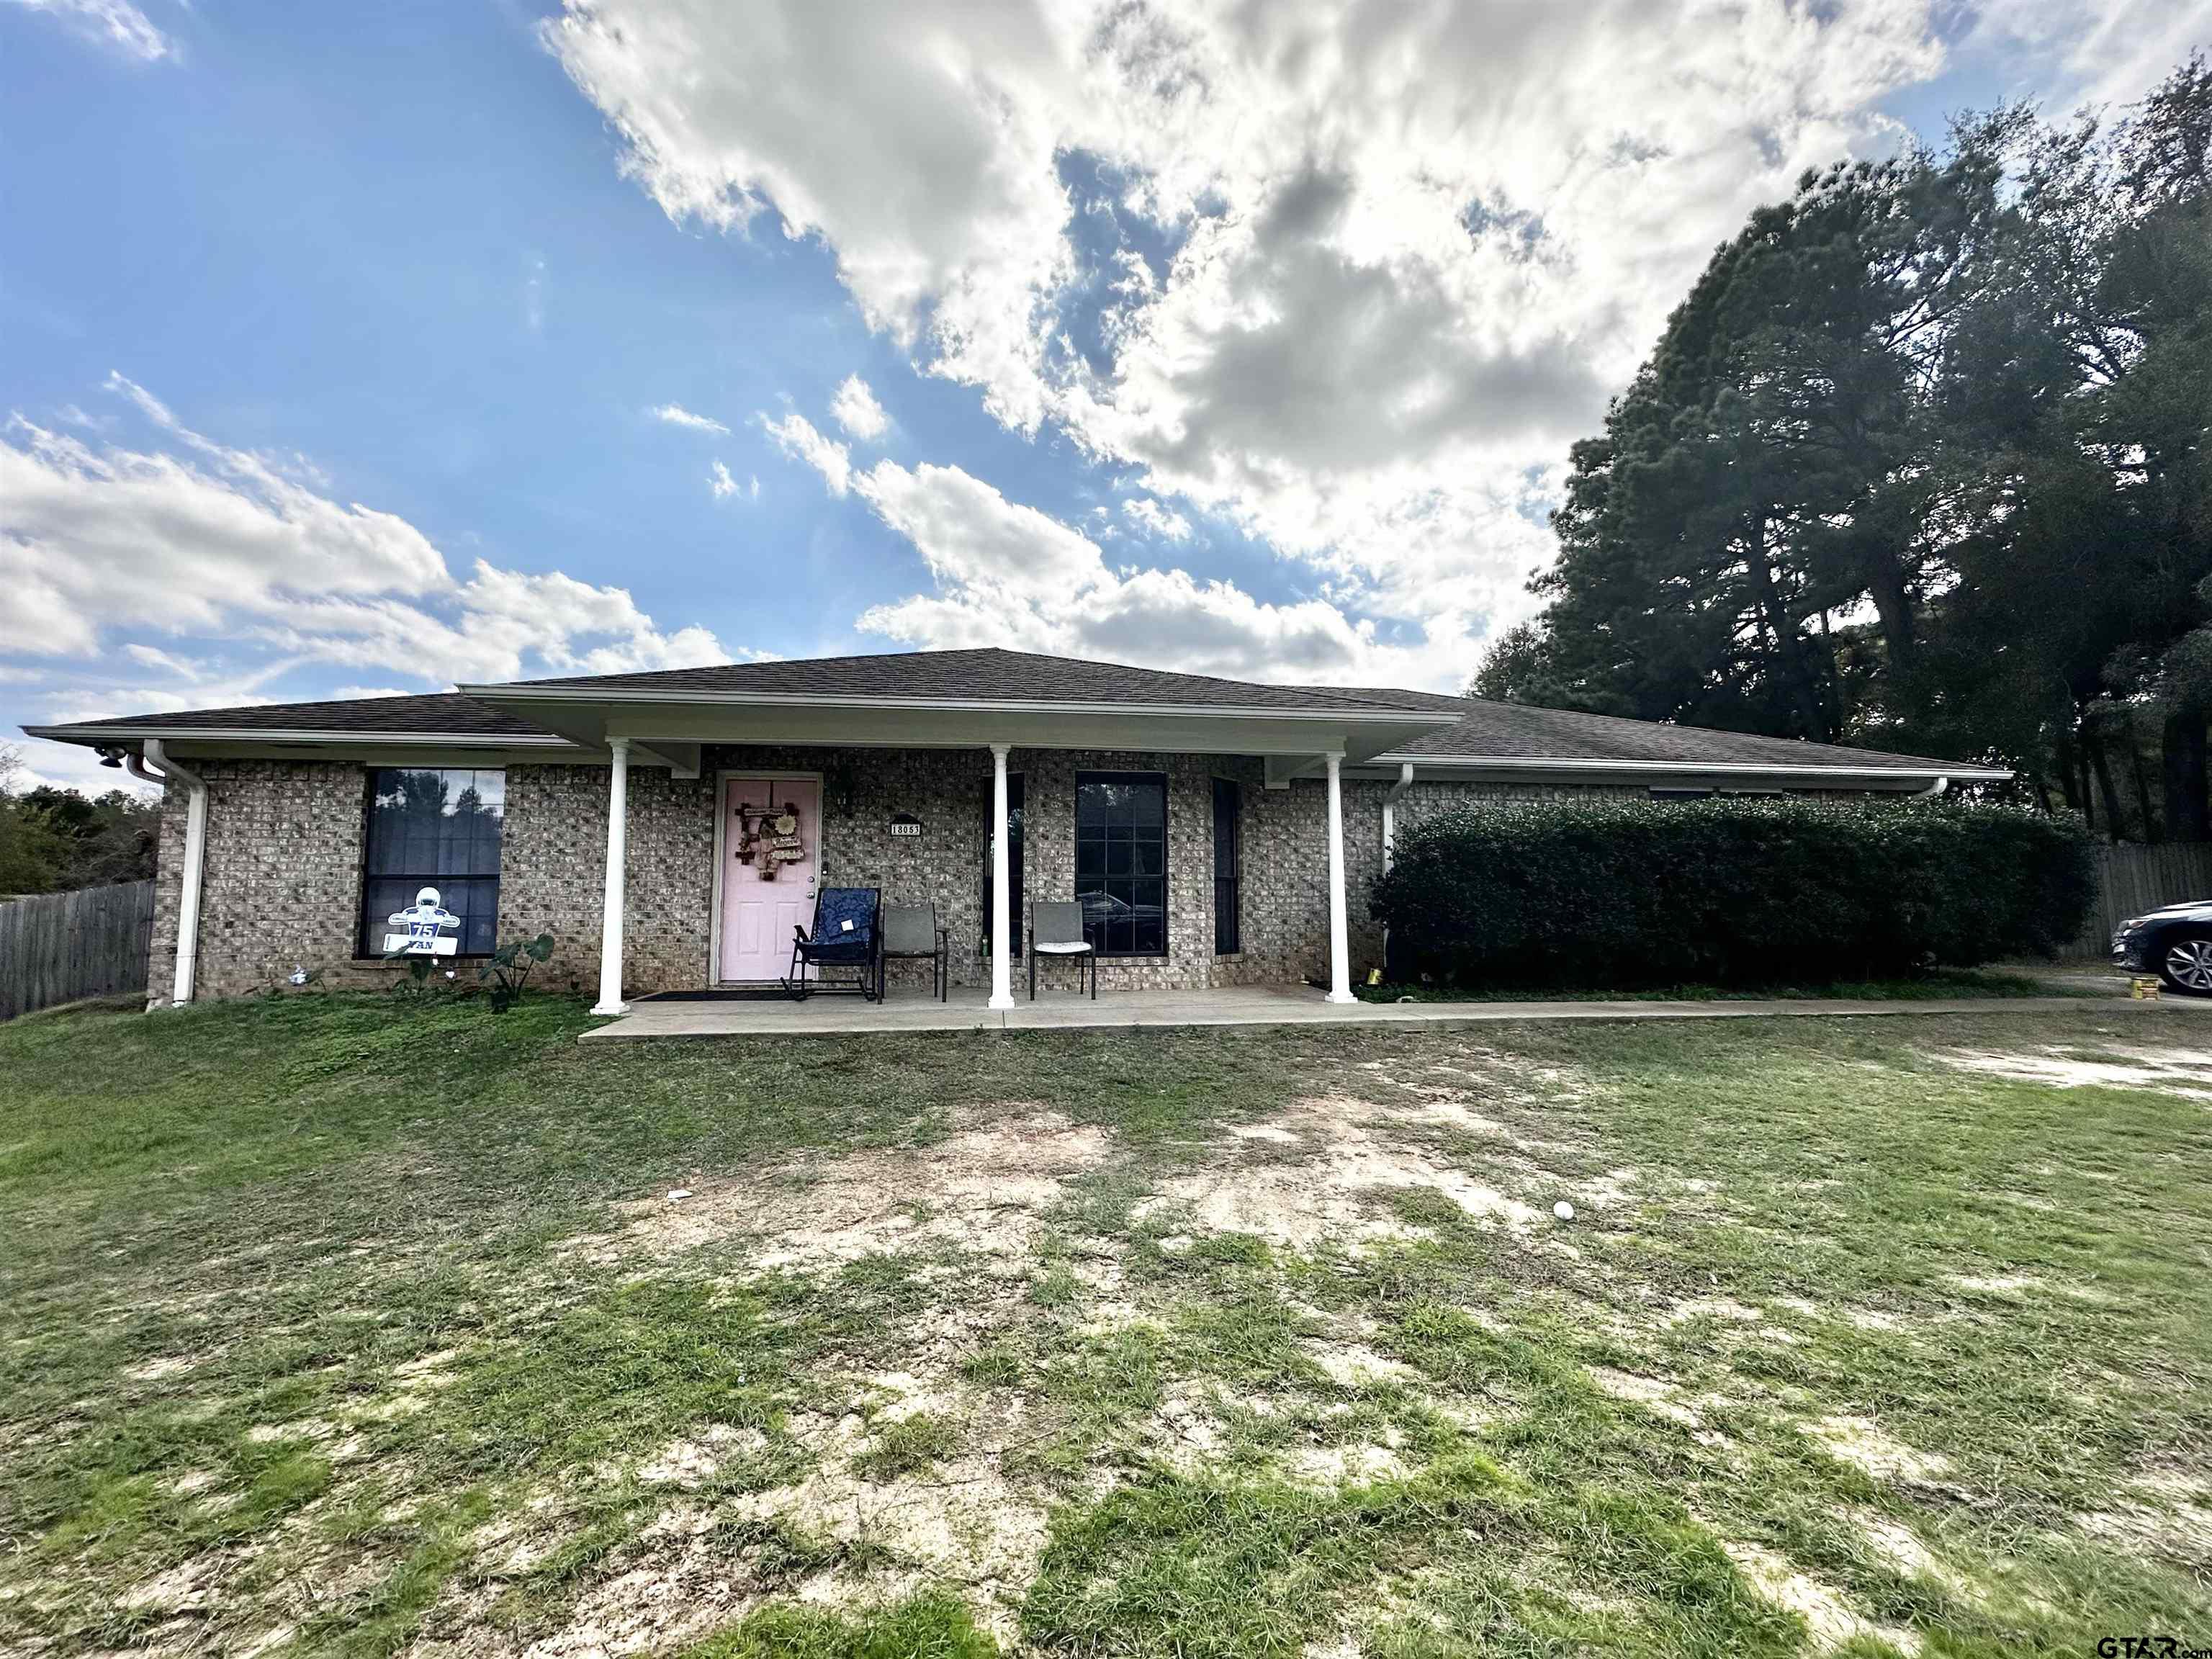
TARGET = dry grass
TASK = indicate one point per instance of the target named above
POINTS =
(330, 1328)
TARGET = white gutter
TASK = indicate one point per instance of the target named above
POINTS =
(188, 907)
(1567, 766)
(246, 735)
(1390, 810)
(1932, 790)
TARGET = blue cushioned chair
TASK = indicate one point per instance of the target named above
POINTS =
(848, 922)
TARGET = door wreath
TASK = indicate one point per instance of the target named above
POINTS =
(770, 836)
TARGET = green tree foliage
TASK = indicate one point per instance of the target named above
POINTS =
(1920, 463)
(1613, 891)
(53, 840)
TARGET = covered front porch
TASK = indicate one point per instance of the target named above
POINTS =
(868, 772)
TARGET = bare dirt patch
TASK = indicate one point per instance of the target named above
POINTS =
(1862, 1443)
(960, 1521)
(1829, 1618)
(1327, 1162)
(155, 1370)
(2177, 1527)
(1655, 1394)
(2186, 1071)
(691, 1461)
(1186, 1432)
(1355, 1365)
(1898, 1547)
(1356, 1463)
(981, 1189)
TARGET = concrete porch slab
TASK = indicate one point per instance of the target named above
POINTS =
(1252, 1004)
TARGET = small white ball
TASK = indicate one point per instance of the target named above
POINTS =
(1564, 1210)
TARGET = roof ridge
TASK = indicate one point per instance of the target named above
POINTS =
(1814, 744)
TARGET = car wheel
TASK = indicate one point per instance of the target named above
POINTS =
(2185, 961)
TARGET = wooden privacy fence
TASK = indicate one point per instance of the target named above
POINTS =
(60, 946)
(2133, 879)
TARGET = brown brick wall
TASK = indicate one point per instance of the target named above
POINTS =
(1285, 890)
(282, 885)
(284, 860)
(1049, 859)
(557, 841)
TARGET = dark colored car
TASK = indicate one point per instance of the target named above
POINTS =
(2175, 944)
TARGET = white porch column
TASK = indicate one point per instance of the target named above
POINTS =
(1002, 879)
(1340, 944)
(611, 926)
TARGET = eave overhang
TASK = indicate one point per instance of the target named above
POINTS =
(381, 748)
(1677, 775)
(592, 718)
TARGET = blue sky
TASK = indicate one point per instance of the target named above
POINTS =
(347, 349)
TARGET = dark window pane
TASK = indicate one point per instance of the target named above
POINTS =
(440, 829)
(1121, 862)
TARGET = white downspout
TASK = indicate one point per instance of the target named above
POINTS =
(1932, 790)
(1390, 810)
(1390, 832)
(188, 903)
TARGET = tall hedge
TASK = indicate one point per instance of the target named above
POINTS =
(1616, 892)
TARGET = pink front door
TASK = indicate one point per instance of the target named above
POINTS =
(759, 912)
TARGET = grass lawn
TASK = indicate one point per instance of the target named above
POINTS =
(1937, 984)
(327, 1326)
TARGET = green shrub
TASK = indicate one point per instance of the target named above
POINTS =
(1614, 891)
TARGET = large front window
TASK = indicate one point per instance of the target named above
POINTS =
(435, 828)
(1121, 862)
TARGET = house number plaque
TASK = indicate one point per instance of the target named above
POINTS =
(906, 824)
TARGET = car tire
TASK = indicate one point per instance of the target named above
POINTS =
(2185, 962)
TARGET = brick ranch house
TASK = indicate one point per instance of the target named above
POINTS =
(1217, 833)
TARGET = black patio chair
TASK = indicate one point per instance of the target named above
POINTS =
(911, 931)
(1056, 930)
(848, 926)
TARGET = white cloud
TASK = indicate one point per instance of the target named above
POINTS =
(2109, 51)
(1004, 573)
(908, 137)
(720, 482)
(796, 435)
(677, 415)
(118, 22)
(1150, 516)
(1353, 278)
(190, 540)
(858, 411)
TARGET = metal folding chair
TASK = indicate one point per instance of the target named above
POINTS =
(1056, 930)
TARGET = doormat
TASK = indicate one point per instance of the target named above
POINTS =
(728, 994)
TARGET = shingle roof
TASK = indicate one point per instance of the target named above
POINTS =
(444, 713)
(1493, 730)
(1508, 730)
(988, 675)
